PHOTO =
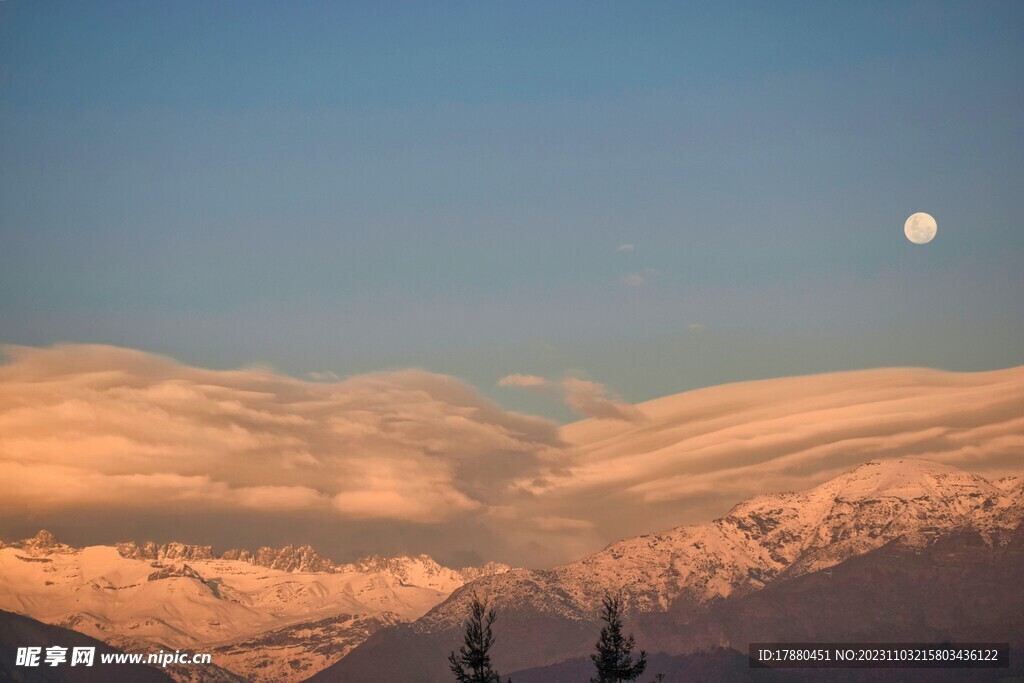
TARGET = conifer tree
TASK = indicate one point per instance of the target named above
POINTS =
(614, 656)
(473, 663)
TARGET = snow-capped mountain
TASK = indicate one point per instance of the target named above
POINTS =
(284, 614)
(764, 538)
(956, 588)
(274, 615)
(762, 541)
(423, 571)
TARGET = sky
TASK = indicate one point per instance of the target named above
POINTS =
(654, 196)
(528, 212)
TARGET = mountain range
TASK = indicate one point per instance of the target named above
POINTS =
(272, 615)
(858, 558)
(901, 529)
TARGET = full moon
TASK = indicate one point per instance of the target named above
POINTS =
(920, 228)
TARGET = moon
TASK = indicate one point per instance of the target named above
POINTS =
(920, 228)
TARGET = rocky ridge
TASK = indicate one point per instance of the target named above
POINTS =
(904, 507)
(273, 615)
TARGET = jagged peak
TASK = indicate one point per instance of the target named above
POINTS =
(43, 542)
(174, 550)
(305, 558)
(859, 509)
(43, 539)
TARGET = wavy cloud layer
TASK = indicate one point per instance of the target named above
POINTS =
(412, 461)
(85, 426)
(704, 450)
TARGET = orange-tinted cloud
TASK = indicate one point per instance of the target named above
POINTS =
(592, 399)
(523, 381)
(96, 428)
(88, 426)
(700, 451)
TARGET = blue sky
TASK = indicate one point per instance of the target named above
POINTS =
(348, 187)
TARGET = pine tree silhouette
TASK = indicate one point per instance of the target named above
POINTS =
(614, 656)
(473, 663)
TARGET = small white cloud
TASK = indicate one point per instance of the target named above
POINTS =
(523, 381)
(697, 327)
(625, 248)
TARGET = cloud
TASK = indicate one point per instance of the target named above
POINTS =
(697, 327)
(42, 487)
(625, 248)
(592, 399)
(104, 427)
(108, 440)
(523, 381)
(698, 453)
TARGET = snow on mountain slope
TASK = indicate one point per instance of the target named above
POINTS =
(423, 571)
(420, 571)
(296, 652)
(181, 597)
(769, 536)
(905, 508)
